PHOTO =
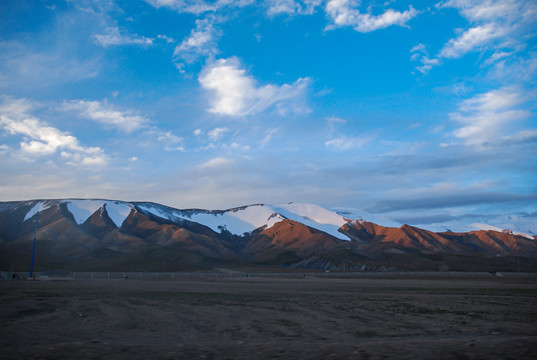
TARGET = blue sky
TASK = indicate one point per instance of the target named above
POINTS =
(421, 111)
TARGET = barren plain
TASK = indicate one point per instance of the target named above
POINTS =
(293, 317)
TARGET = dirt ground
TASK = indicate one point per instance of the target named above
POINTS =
(270, 318)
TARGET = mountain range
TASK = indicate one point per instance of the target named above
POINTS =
(108, 235)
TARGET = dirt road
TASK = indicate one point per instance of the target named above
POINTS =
(268, 318)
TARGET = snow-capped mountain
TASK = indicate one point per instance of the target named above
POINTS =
(126, 234)
(237, 221)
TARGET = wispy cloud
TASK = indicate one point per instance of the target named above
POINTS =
(26, 67)
(104, 113)
(419, 52)
(235, 93)
(501, 26)
(217, 133)
(113, 37)
(470, 40)
(215, 163)
(292, 7)
(39, 138)
(268, 137)
(202, 42)
(346, 143)
(345, 13)
(485, 117)
(170, 141)
(198, 6)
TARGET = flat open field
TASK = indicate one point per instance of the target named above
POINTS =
(298, 317)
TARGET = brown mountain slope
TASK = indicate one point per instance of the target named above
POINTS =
(373, 238)
(494, 243)
(289, 237)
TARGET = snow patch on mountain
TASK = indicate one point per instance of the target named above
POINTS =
(359, 214)
(38, 207)
(118, 211)
(315, 217)
(161, 211)
(480, 226)
(238, 221)
(83, 209)
(459, 227)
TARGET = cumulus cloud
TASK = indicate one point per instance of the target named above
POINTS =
(112, 37)
(104, 113)
(344, 13)
(39, 138)
(485, 117)
(235, 93)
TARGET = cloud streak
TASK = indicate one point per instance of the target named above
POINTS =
(40, 139)
(112, 37)
(127, 121)
(486, 117)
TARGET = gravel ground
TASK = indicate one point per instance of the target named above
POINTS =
(270, 318)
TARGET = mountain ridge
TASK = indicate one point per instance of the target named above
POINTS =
(73, 232)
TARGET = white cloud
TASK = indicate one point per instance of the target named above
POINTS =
(215, 162)
(485, 117)
(291, 7)
(346, 143)
(500, 25)
(419, 52)
(201, 42)
(40, 139)
(268, 137)
(344, 13)
(335, 120)
(470, 40)
(112, 37)
(236, 146)
(235, 93)
(104, 113)
(167, 39)
(198, 6)
(217, 133)
(486, 10)
(171, 142)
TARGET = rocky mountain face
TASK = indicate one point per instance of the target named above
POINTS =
(104, 235)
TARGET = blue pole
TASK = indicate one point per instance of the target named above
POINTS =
(35, 238)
